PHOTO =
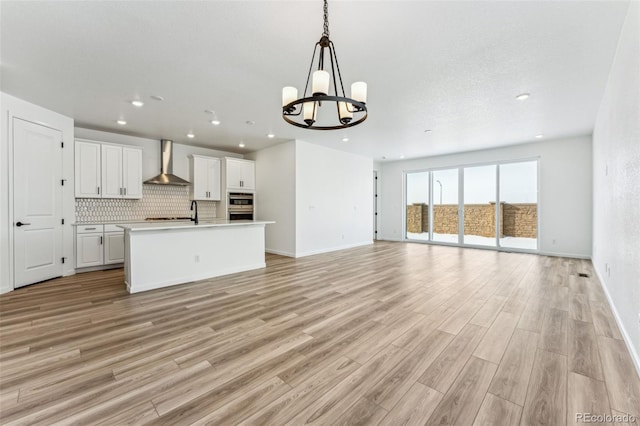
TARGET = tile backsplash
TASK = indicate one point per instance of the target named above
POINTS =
(156, 201)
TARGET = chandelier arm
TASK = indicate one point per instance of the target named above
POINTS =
(304, 94)
(333, 50)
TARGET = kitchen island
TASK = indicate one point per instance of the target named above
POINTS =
(164, 254)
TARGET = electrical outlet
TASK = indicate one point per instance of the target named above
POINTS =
(553, 242)
(197, 258)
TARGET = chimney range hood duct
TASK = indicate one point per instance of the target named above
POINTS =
(166, 177)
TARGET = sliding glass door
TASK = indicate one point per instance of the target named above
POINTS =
(519, 205)
(479, 209)
(444, 209)
(493, 205)
(417, 222)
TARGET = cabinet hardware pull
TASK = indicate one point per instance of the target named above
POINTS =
(89, 229)
(98, 190)
(125, 190)
(101, 240)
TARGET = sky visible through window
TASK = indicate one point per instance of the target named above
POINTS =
(518, 184)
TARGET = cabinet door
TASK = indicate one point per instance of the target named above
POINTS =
(87, 170)
(132, 173)
(248, 175)
(213, 178)
(234, 174)
(111, 171)
(113, 247)
(89, 250)
(200, 180)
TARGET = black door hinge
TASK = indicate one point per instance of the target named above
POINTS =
(62, 181)
(63, 259)
(62, 144)
(62, 221)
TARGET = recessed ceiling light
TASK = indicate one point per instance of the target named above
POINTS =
(250, 122)
(121, 122)
(401, 156)
(190, 135)
(215, 122)
(241, 145)
(539, 136)
(157, 97)
(345, 139)
(271, 135)
(137, 103)
(522, 96)
(428, 131)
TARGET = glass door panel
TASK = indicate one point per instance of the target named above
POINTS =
(480, 206)
(519, 205)
(444, 210)
(417, 225)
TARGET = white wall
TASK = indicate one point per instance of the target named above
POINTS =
(334, 199)
(616, 184)
(11, 107)
(275, 196)
(151, 151)
(565, 190)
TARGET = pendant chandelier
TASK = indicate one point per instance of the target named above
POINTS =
(302, 112)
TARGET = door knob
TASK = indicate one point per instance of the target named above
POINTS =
(19, 224)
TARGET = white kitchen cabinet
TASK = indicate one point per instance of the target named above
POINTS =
(107, 171)
(240, 174)
(87, 170)
(98, 245)
(121, 172)
(205, 178)
(113, 247)
(131, 172)
(89, 246)
(111, 171)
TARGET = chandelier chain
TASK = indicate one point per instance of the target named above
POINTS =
(326, 20)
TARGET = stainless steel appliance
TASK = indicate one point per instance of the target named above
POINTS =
(166, 176)
(240, 206)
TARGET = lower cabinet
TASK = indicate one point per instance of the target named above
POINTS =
(113, 247)
(98, 245)
(89, 250)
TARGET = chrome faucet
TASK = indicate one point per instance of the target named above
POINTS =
(194, 219)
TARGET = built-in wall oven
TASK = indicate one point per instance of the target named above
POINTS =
(240, 206)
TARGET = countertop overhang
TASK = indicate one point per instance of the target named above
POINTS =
(184, 225)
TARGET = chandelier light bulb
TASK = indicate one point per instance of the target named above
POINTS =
(289, 94)
(309, 111)
(359, 91)
(345, 115)
(320, 84)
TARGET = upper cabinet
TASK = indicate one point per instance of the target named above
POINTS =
(114, 170)
(240, 174)
(205, 178)
(87, 170)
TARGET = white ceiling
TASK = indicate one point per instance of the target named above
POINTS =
(451, 67)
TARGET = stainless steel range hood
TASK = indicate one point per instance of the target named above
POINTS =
(166, 176)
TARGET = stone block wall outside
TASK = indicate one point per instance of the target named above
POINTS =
(518, 220)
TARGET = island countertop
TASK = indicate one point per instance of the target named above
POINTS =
(183, 225)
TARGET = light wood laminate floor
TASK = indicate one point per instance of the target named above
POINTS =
(389, 334)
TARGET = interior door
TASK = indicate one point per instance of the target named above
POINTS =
(37, 202)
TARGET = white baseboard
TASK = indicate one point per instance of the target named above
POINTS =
(280, 252)
(330, 249)
(570, 255)
(625, 335)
